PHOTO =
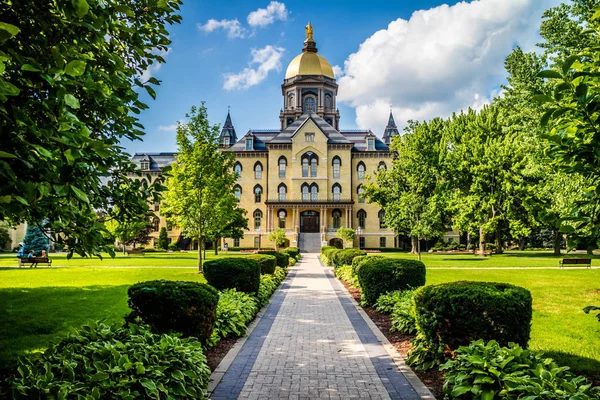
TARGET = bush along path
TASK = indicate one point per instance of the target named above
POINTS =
(466, 340)
(161, 350)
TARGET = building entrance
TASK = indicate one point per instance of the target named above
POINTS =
(309, 221)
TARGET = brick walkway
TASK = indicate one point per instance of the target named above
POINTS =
(312, 344)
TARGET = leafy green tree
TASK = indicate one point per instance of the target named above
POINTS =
(163, 239)
(199, 197)
(346, 234)
(5, 240)
(35, 240)
(231, 224)
(130, 232)
(70, 83)
(277, 236)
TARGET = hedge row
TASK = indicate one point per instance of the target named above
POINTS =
(240, 273)
(266, 262)
(380, 275)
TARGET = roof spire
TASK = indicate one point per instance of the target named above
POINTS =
(390, 130)
(228, 136)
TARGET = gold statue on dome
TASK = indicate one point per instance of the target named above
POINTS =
(309, 33)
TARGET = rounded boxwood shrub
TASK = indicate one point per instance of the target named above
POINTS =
(293, 251)
(283, 260)
(345, 256)
(325, 254)
(380, 275)
(454, 314)
(186, 307)
(360, 260)
(240, 273)
(103, 362)
(267, 262)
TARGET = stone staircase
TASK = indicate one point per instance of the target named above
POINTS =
(309, 242)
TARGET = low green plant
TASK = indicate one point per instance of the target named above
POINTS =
(345, 257)
(345, 274)
(241, 273)
(293, 261)
(282, 258)
(401, 307)
(488, 371)
(325, 254)
(268, 285)
(267, 262)
(173, 247)
(234, 311)
(98, 361)
(293, 252)
(174, 306)
(378, 276)
(358, 261)
(279, 274)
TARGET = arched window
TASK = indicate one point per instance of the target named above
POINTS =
(361, 194)
(337, 218)
(155, 224)
(257, 193)
(337, 163)
(310, 161)
(313, 167)
(381, 216)
(282, 190)
(362, 216)
(305, 167)
(282, 214)
(381, 166)
(328, 102)
(237, 191)
(337, 190)
(258, 170)
(309, 104)
(305, 190)
(382, 242)
(282, 166)
(361, 170)
(314, 192)
(238, 169)
(291, 101)
(257, 219)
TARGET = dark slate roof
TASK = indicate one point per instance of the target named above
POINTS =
(359, 139)
(333, 135)
(228, 130)
(390, 130)
(157, 160)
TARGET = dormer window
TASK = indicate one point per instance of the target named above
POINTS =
(145, 165)
(371, 144)
(226, 141)
(310, 104)
(249, 145)
(309, 137)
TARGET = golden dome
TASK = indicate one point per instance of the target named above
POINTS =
(309, 63)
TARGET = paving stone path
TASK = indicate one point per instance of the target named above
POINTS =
(312, 343)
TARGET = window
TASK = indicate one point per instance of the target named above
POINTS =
(226, 140)
(309, 104)
(282, 214)
(329, 121)
(381, 216)
(237, 191)
(314, 192)
(337, 162)
(382, 242)
(282, 166)
(371, 144)
(249, 144)
(291, 101)
(305, 167)
(282, 192)
(337, 190)
(361, 171)
(238, 169)
(257, 219)
(328, 102)
(313, 167)
(361, 194)
(155, 224)
(309, 137)
(236, 242)
(337, 219)
(145, 165)
(362, 216)
(305, 192)
(258, 170)
(381, 166)
(257, 242)
(310, 161)
(257, 193)
(361, 242)
(290, 121)
(157, 206)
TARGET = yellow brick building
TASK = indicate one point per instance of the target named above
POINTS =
(306, 176)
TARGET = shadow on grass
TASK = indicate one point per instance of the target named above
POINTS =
(530, 254)
(33, 318)
(578, 364)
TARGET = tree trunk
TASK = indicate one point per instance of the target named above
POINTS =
(556, 241)
(468, 240)
(414, 242)
(204, 249)
(499, 249)
(216, 247)
(522, 243)
(200, 257)
(590, 251)
(481, 242)
(418, 249)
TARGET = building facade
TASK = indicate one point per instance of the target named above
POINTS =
(307, 176)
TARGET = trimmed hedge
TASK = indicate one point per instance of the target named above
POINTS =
(283, 260)
(166, 306)
(325, 252)
(454, 314)
(240, 273)
(379, 276)
(345, 256)
(267, 262)
(357, 262)
(293, 251)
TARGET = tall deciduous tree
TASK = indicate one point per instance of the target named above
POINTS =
(70, 77)
(199, 197)
(130, 232)
(277, 236)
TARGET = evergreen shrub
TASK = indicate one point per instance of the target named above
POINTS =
(267, 262)
(240, 273)
(166, 306)
(293, 252)
(360, 260)
(283, 260)
(378, 276)
(345, 256)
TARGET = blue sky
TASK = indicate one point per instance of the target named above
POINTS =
(424, 58)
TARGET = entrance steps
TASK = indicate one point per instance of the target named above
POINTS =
(309, 242)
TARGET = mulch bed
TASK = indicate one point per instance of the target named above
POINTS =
(433, 379)
(217, 353)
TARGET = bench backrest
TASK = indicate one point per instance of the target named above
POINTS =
(577, 261)
(35, 259)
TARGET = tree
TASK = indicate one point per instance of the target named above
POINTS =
(130, 232)
(277, 236)
(5, 240)
(231, 224)
(163, 239)
(70, 83)
(35, 240)
(199, 197)
(346, 234)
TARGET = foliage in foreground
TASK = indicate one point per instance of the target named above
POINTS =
(400, 304)
(488, 371)
(345, 274)
(234, 311)
(100, 361)
(379, 276)
(268, 285)
(242, 274)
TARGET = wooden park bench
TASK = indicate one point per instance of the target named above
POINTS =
(34, 261)
(132, 252)
(576, 262)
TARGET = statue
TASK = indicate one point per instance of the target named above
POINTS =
(309, 33)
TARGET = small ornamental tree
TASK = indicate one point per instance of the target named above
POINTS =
(35, 240)
(5, 240)
(277, 236)
(163, 239)
(346, 234)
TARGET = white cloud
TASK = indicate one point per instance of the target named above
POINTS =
(338, 71)
(267, 58)
(441, 60)
(167, 128)
(266, 16)
(232, 26)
